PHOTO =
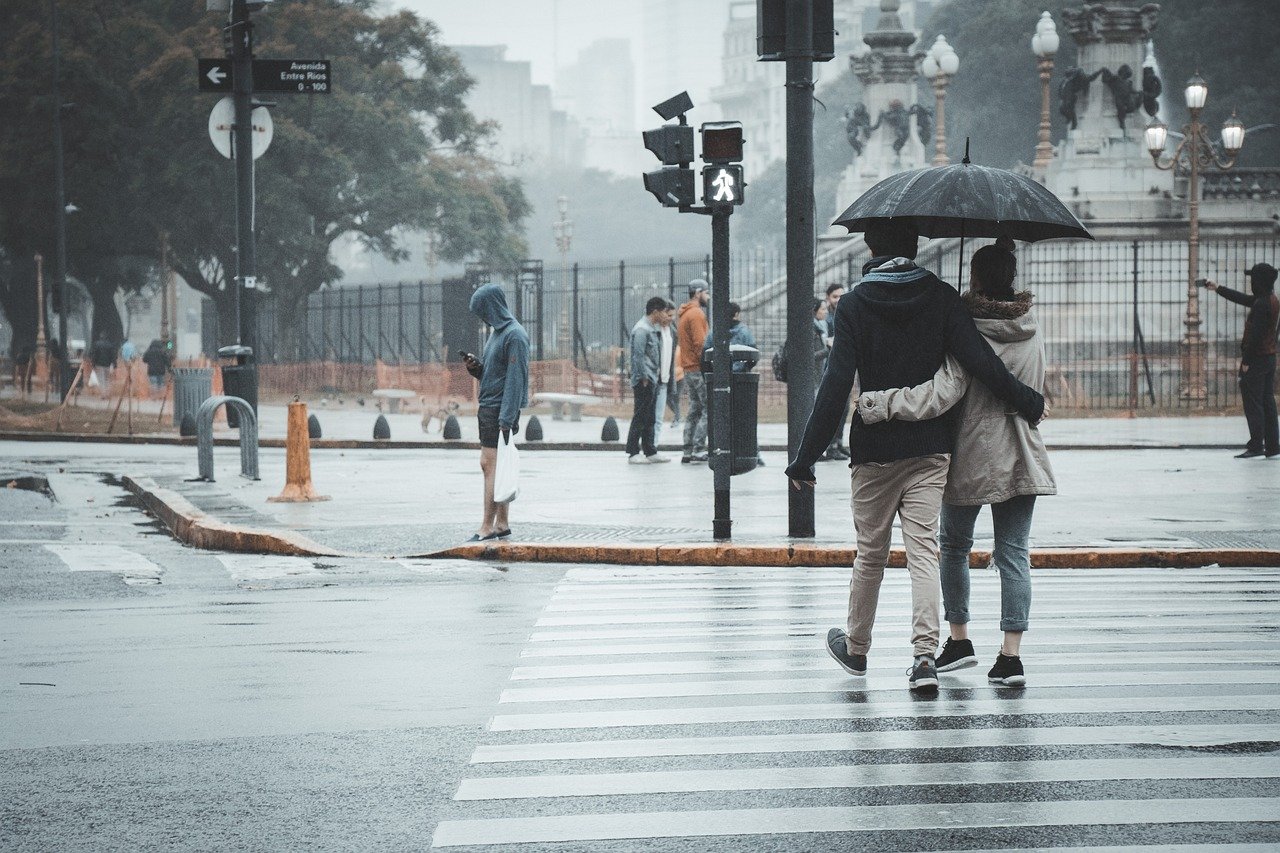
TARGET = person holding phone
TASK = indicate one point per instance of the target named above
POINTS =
(1257, 358)
(503, 371)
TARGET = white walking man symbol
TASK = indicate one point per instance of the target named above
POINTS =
(724, 186)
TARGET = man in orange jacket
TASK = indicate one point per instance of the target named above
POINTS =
(691, 334)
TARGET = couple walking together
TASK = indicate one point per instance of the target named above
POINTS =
(930, 444)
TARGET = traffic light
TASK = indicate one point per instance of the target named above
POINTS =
(771, 30)
(671, 143)
(722, 142)
(722, 185)
(671, 185)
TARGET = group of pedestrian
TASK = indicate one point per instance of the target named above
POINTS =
(927, 441)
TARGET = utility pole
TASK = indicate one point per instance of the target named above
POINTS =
(246, 252)
(800, 249)
(720, 395)
(60, 201)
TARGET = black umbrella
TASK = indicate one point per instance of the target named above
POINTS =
(965, 200)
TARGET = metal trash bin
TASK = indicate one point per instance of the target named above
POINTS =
(744, 394)
(191, 387)
(239, 379)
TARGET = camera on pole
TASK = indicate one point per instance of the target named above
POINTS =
(673, 184)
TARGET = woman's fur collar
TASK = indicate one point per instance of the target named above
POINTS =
(980, 307)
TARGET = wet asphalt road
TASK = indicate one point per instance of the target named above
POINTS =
(157, 697)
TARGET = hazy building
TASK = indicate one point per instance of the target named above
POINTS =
(529, 129)
(598, 92)
(680, 49)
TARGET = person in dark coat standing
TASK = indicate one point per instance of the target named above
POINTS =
(157, 360)
(1258, 359)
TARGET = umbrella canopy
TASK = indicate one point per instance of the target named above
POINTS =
(965, 200)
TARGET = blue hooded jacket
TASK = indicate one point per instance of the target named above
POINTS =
(505, 379)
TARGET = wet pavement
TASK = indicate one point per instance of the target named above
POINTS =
(153, 695)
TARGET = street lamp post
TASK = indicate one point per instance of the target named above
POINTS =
(939, 65)
(1044, 44)
(562, 228)
(1195, 151)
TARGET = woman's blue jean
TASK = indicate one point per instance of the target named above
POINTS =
(1012, 556)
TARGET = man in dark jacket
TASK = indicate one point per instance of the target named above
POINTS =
(503, 371)
(1258, 359)
(646, 375)
(893, 330)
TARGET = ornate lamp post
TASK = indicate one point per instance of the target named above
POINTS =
(939, 65)
(562, 228)
(1196, 150)
(1044, 44)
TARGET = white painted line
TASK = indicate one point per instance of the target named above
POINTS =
(134, 568)
(1019, 706)
(848, 684)
(987, 638)
(1184, 607)
(864, 776)
(816, 662)
(1181, 736)
(815, 625)
(259, 567)
(1077, 603)
(1054, 592)
(739, 822)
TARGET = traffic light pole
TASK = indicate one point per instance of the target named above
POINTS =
(60, 206)
(246, 251)
(721, 372)
(800, 249)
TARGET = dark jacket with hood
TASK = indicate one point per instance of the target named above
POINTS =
(1260, 325)
(504, 380)
(893, 331)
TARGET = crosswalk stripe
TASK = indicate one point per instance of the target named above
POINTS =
(705, 614)
(813, 625)
(1013, 706)
(1075, 602)
(134, 569)
(846, 684)
(989, 637)
(258, 567)
(863, 775)
(778, 821)
(812, 663)
(1181, 736)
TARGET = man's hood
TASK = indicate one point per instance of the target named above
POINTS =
(691, 304)
(894, 288)
(489, 303)
(1002, 321)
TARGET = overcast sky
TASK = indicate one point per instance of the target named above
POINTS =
(526, 26)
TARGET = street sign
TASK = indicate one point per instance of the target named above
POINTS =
(277, 76)
(222, 121)
(298, 76)
(722, 185)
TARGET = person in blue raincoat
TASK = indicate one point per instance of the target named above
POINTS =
(503, 371)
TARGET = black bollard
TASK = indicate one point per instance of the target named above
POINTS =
(381, 429)
(188, 426)
(533, 429)
(452, 432)
(313, 427)
(610, 431)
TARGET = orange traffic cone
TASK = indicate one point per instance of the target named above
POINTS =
(297, 466)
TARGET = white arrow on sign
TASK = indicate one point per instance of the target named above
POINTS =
(222, 121)
(217, 75)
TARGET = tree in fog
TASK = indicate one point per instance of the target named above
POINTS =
(392, 148)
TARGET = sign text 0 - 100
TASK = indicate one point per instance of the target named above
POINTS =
(277, 76)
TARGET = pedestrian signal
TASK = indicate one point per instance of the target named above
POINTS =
(722, 185)
(722, 142)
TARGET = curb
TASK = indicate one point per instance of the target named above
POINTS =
(595, 446)
(199, 530)
(819, 556)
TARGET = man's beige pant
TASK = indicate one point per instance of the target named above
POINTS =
(912, 490)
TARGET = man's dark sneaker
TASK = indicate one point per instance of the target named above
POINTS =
(956, 654)
(693, 458)
(836, 647)
(1007, 671)
(1249, 454)
(924, 675)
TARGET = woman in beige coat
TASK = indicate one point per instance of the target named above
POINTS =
(999, 459)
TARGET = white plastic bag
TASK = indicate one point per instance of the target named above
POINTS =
(506, 479)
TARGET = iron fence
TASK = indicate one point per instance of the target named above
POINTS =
(1111, 313)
